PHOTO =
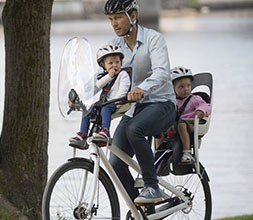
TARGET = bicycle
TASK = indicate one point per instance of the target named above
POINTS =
(83, 189)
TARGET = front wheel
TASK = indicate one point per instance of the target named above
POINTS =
(67, 184)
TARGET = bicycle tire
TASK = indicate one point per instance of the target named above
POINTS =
(61, 193)
(199, 189)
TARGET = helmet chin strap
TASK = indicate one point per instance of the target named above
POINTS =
(132, 23)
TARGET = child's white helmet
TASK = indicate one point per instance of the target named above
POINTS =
(180, 72)
(106, 50)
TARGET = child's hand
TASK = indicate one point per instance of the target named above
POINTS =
(118, 105)
(112, 72)
(200, 114)
(70, 104)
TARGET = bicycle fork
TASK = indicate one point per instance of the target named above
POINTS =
(94, 156)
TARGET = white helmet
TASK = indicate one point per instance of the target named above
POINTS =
(106, 50)
(180, 72)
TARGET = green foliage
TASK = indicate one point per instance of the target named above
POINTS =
(244, 217)
(4, 215)
(193, 3)
(17, 215)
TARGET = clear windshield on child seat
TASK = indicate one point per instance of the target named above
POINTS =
(76, 72)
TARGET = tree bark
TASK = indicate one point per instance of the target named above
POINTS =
(24, 138)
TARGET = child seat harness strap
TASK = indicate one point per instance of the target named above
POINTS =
(182, 108)
(108, 86)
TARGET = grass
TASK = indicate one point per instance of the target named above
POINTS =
(5, 215)
(243, 217)
(10, 216)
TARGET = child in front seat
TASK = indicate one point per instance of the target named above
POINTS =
(188, 106)
(115, 83)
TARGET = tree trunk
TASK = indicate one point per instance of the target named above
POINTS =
(24, 137)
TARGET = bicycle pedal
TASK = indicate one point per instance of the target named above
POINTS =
(139, 183)
(138, 205)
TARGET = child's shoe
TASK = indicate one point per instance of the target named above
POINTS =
(104, 134)
(79, 141)
(187, 157)
(79, 136)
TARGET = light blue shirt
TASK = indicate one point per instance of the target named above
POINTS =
(151, 68)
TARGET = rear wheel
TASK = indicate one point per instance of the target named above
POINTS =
(60, 199)
(198, 189)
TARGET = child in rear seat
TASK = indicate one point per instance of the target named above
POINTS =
(115, 83)
(188, 106)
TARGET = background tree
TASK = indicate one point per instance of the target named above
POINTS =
(24, 138)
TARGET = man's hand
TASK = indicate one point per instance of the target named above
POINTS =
(135, 94)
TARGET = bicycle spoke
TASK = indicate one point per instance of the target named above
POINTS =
(61, 197)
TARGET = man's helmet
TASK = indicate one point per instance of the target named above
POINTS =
(180, 72)
(120, 6)
(106, 50)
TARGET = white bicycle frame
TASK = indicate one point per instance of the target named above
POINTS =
(196, 144)
(97, 154)
(199, 130)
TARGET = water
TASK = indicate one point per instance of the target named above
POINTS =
(221, 44)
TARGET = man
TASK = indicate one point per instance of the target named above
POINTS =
(154, 110)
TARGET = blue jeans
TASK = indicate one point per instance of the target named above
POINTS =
(131, 137)
(106, 115)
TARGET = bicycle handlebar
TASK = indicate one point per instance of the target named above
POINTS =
(77, 103)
